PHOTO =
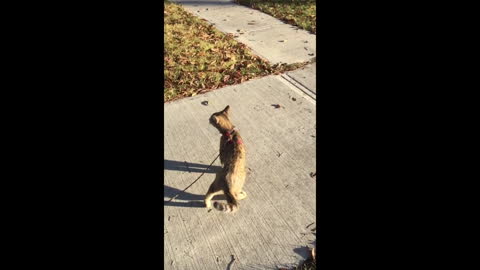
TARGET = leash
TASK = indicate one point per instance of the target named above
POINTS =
(228, 134)
(195, 180)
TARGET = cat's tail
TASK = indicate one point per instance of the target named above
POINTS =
(230, 207)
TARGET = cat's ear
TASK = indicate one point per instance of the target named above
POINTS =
(226, 110)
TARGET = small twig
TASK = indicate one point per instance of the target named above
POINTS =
(229, 266)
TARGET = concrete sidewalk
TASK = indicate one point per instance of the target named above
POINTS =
(270, 229)
(267, 36)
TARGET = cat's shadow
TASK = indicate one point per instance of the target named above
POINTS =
(186, 199)
(184, 166)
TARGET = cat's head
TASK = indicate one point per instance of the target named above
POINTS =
(221, 120)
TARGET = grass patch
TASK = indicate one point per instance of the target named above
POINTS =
(301, 13)
(198, 58)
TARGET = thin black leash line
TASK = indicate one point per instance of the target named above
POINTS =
(202, 173)
(195, 180)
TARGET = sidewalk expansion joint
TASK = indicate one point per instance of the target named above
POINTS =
(259, 29)
(205, 8)
(299, 88)
(301, 84)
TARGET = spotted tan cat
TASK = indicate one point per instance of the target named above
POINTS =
(231, 178)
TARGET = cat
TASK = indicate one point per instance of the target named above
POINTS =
(231, 178)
